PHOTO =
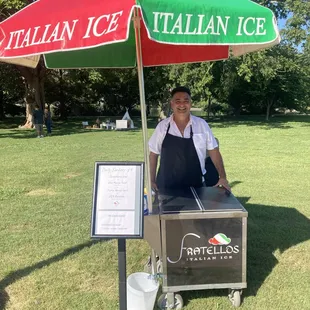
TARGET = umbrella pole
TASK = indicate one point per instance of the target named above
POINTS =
(143, 108)
(144, 124)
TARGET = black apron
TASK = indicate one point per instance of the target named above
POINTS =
(179, 163)
(212, 176)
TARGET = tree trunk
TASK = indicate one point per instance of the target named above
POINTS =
(30, 106)
(34, 94)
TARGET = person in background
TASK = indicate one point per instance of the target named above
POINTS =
(98, 122)
(181, 141)
(38, 118)
(48, 120)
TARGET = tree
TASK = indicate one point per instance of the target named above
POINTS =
(297, 28)
(73, 91)
(34, 89)
(276, 77)
(33, 78)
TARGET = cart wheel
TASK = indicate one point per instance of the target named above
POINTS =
(162, 302)
(235, 298)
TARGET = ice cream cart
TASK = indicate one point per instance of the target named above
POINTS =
(199, 236)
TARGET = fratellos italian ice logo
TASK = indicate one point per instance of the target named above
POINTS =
(219, 239)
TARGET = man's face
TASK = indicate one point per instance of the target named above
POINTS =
(181, 103)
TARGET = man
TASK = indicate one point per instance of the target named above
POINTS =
(181, 141)
(38, 120)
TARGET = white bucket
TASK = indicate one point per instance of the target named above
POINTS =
(141, 291)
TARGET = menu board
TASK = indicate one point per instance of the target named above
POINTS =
(118, 200)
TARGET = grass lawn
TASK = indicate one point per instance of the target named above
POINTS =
(47, 260)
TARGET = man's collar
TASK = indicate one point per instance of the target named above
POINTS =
(188, 124)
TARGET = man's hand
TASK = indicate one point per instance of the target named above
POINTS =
(217, 160)
(223, 183)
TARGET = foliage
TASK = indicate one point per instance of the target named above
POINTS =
(12, 90)
(81, 92)
(9, 7)
(275, 78)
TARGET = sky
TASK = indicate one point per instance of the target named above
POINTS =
(281, 23)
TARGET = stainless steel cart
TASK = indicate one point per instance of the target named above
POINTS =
(200, 238)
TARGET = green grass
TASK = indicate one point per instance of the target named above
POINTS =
(47, 260)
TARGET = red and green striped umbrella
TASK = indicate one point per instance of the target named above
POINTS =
(172, 31)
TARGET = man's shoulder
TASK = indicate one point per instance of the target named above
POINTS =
(164, 123)
(198, 120)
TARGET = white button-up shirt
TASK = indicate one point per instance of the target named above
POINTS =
(202, 136)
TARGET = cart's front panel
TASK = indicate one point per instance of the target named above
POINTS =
(203, 251)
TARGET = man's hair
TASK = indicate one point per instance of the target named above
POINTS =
(180, 89)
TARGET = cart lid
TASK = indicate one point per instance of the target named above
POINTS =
(217, 199)
(178, 201)
(204, 199)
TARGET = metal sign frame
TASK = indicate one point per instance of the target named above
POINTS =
(130, 207)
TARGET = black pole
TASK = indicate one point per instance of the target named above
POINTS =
(122, 274)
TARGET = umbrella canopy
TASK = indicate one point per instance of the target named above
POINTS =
(206, 30)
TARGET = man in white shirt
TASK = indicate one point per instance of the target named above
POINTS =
(181, 141)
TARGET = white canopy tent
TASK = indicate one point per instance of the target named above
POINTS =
(128, 118)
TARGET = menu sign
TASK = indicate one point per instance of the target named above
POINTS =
(118, 200)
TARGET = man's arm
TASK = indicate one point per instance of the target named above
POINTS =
(217, 160)
(153, 167)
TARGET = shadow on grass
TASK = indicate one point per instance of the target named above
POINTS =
(24, 272)
(270, 229)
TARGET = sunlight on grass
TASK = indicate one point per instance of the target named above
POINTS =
(41, 192)
(47, 260)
